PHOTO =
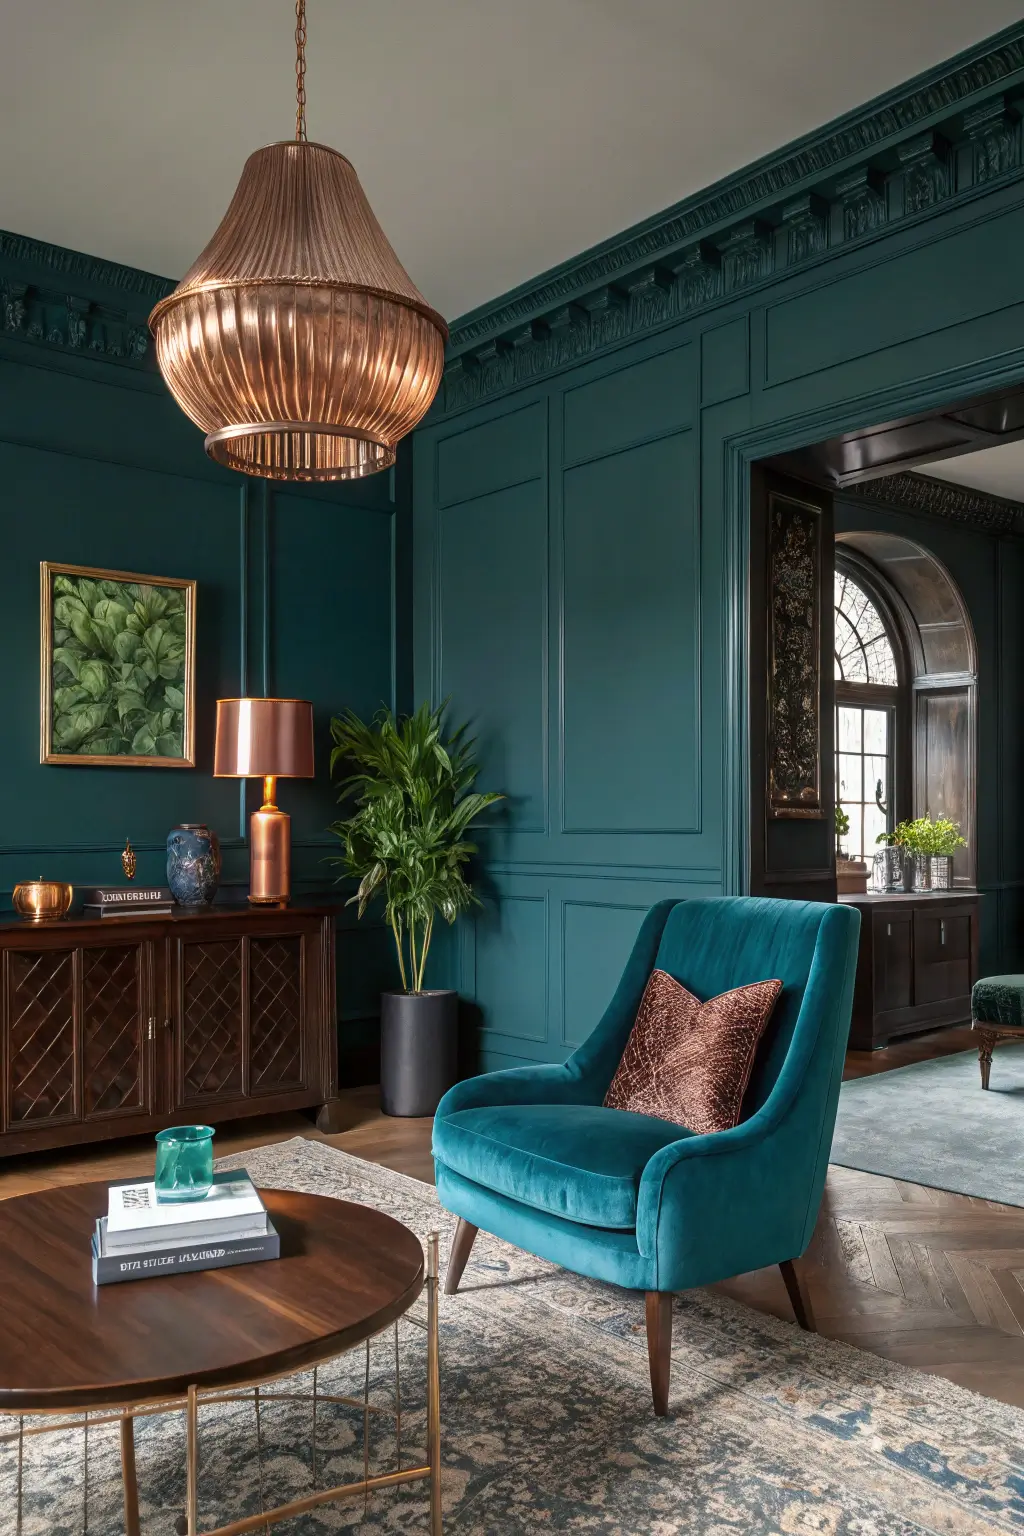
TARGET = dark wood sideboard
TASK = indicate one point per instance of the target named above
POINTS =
(918, 961)
(115, 1026)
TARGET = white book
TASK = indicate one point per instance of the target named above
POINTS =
(251, 1227)
(135, 1216)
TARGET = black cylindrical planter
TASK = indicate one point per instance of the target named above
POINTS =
(419, 1049)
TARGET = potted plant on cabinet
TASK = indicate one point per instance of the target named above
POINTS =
(406, 842)
(931, 845)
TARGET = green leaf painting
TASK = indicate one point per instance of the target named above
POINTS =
(119, 656)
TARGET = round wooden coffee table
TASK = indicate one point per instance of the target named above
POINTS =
(345, 1273)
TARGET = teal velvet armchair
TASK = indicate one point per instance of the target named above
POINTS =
(532, 1156)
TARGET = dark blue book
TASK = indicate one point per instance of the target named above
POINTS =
(143, 1264)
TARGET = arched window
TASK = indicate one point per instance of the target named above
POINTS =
(906, 682)
(867, 696)
(864, 651)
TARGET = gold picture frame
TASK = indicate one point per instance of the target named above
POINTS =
(117, 668)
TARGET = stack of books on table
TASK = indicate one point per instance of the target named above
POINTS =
(139, 1238)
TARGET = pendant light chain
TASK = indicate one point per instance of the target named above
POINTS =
(300, 71)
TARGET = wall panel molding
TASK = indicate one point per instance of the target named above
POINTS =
(942, 139)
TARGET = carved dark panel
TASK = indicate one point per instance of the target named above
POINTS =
(211, 1023)
(794, 658)
(113, 1030)
(275, 1013)
(41, 1036)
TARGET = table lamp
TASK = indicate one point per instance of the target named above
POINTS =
(266, 739)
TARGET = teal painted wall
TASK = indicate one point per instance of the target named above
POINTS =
(580, 503)
(297, 594)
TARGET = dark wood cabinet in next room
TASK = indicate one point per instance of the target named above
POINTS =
(918, 961)
(115, 1026)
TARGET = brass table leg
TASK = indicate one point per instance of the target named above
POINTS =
(433, 1388)
(192, 1462)
(128, 1477)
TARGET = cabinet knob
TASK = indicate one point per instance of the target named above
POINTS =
(888, 930)
(151, 1029)
(942, 933)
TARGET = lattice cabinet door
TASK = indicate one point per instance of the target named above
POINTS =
(77, 1023)
(208, 1027)
(116, 1024)
(276, 1013)
(39, 1015)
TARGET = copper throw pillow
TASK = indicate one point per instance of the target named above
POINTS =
(690, 1061)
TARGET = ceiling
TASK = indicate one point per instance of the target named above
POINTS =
(999, 471)
(494, 139)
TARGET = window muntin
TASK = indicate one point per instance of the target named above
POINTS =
(864, 774)
(863, 650)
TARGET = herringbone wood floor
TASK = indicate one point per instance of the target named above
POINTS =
(931, 1279)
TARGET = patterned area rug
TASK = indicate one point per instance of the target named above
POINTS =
(952, 1134)
(547, 1422)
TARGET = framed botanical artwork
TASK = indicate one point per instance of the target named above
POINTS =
(118, 662)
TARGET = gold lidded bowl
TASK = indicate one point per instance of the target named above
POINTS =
(42, 901)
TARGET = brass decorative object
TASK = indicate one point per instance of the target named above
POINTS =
(266, 739)
(117, 658)
(42, 901)
(297, 340)
(128, 861)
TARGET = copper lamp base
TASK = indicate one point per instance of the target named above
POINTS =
(270, 854)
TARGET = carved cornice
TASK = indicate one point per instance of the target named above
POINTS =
(59, 298)
(90, 270)
(941, 498)
(896, 159)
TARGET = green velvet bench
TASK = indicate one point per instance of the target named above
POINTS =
(997, 1013)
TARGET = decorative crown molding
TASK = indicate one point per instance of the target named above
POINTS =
(92, 270)
(910, 492)
(947, 136)
(59, 298)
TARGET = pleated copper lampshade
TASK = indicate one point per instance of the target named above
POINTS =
(297, 341)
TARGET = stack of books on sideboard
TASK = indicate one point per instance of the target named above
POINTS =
(139, 1237)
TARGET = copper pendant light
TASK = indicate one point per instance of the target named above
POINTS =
(297, 341)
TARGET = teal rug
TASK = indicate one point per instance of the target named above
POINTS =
(932, 1123)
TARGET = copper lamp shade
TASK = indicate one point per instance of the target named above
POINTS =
(297, 341)
(266, 739)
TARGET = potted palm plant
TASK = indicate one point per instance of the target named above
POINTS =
(406, 843)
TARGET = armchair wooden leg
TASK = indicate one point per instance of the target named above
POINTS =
(659, 1346)
(462, 1243)
(798, 1297)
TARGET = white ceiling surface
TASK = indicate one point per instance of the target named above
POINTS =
(495, 138)
(999, 471)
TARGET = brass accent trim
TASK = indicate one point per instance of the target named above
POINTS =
(47, 570)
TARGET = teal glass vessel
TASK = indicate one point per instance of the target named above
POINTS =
(184, 1163)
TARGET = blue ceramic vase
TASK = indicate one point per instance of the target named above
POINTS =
(193, 865)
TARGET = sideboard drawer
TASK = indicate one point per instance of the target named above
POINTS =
(942, 956)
